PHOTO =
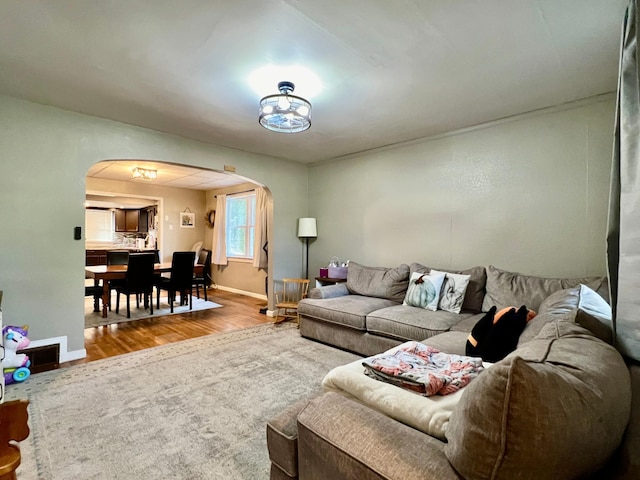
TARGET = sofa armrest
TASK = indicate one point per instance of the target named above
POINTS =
(341, 438)
(330, 291)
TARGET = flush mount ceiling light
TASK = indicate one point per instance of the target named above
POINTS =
(144, 173)
(283, 112)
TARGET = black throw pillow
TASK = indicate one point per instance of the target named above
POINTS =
(496, 338)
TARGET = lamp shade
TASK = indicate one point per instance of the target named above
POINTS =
(307, 228)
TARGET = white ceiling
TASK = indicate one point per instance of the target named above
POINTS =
(169, 175)
(391, 71)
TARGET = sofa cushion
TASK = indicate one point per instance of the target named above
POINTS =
(555, 408)
(427, 414)
(475, 292)
(389, 283)
(348, 310)
(506, 289)
(410, 323)
(580, 304)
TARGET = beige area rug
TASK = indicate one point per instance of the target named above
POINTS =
(189, 410)
(94, 319)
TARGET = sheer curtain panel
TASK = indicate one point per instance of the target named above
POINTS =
(219, 246)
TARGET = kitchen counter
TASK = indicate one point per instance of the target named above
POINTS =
(97, 255)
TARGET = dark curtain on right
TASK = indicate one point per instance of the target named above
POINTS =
(623, 236)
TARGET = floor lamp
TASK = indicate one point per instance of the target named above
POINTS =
(307, 229)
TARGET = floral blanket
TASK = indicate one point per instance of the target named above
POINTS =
(423, 369)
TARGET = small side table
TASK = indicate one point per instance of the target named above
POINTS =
(324, 281)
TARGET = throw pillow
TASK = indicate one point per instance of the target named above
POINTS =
(475, 289)
(424, 291)
(496, 334)
(453, 290)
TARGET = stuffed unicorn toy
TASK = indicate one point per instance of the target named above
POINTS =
(14, 339)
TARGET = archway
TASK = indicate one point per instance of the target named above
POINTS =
(174, 192)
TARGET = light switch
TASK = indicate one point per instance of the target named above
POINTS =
(166, 218)
(171, 226)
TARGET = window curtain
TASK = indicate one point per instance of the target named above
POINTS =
(219, 247)
(260, 257)
(623, 235)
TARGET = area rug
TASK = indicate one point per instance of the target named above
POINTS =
(189, 410)
(95, 319)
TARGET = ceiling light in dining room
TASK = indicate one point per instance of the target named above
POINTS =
(144, 173)
(283, 112)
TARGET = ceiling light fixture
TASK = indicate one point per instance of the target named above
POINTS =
(283, 112)
(144, 173)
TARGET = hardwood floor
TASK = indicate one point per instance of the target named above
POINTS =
(237, 311)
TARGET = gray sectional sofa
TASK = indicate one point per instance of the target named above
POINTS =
(565, 404)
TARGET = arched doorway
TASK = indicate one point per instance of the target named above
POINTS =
(176, 189)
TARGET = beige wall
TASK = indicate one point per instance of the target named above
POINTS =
(45, 154)
(239, 276)
(527, 194)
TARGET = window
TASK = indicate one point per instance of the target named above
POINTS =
(99, 226)
(240, 225)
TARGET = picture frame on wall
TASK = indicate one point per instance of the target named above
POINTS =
(187, 220)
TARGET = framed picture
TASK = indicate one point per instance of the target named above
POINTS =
(187, 220)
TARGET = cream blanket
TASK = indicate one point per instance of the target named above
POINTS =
(427, 414)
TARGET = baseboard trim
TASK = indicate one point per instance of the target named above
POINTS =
(242, 292)
(65, 356)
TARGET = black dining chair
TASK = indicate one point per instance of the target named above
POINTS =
(180, 279)
(116, 257)
(204, 258)
(139, 280)
(94, 291)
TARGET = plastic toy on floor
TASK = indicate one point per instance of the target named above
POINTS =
(15, 366)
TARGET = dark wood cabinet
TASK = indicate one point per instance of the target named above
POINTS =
(127, 220)
(99, 257)
(96, 257)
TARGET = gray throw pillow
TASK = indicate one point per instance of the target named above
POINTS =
(381, 282)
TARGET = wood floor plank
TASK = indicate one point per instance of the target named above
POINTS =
(237, 311)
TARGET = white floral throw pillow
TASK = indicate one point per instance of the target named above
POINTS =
(453, 290)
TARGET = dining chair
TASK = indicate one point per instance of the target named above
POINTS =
(138, 280)
(116, 257)
(180, 279)
(293, 290)
(205, 279)
(94, 291)
(14, 427)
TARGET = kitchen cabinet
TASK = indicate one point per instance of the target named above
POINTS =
(96, 257)
(127, 220)
(99, 257)
(134, 220)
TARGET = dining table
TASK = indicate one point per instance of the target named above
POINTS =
(106, 273)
